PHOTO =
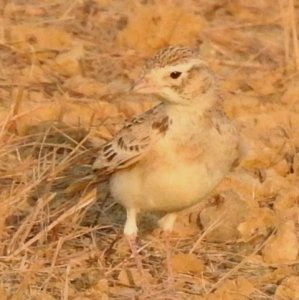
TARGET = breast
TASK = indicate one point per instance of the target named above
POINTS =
(168, 181)
(179, 187)
(162, 187)
(180, 170)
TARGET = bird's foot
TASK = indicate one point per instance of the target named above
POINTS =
(169, 283)
(143, 283)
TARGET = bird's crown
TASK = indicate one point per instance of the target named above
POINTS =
(171, 56)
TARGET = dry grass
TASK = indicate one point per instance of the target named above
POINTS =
(65, 70)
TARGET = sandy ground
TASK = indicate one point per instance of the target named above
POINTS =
(66, 68)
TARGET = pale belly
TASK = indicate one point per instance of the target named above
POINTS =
(182, 168)
(167, 186)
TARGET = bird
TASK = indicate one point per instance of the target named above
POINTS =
(174, 155)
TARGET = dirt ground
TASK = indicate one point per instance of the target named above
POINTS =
(66, 68)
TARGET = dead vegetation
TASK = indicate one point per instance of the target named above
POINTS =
(65, 71)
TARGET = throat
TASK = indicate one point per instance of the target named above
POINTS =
(194, 107)
(183, 121)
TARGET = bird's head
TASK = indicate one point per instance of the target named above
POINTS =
(177, 74)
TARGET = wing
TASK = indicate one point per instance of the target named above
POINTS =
(132, 142)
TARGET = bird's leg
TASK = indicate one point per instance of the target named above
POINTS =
(166, 223)
(130, 232)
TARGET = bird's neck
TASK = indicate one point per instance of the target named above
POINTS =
(196, 106)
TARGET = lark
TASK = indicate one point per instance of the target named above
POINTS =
(175, 154)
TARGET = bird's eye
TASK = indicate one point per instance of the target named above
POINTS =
(175, 74)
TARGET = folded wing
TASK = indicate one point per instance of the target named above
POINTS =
(132, 142)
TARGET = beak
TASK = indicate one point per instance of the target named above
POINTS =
(144, 86)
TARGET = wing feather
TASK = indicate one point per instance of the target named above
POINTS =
(132, 142)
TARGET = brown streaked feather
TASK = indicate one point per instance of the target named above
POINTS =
(171, 56)
(132, 142)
